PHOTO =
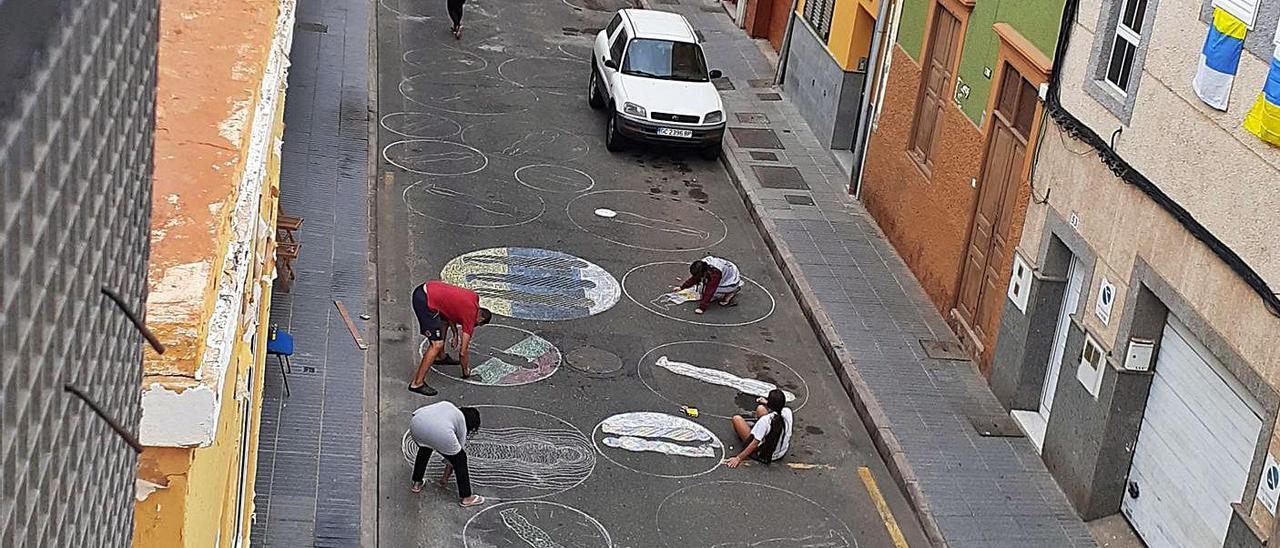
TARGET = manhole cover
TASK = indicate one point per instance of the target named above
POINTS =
(763, 156)
(794, 199)
(769, 96)
(755, 138)
(312, 27)
(995, 426)
(593, 361)
(723, 84)
(760, 82)
(780, 177)
(752, 117)
(943, 350)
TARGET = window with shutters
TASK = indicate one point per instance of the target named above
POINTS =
(818, 14)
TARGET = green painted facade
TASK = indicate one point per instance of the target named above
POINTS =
(1037, 20)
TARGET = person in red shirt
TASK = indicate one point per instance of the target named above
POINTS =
(441, 307)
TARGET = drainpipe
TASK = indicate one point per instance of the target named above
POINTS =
(781, 73)
(863, 136)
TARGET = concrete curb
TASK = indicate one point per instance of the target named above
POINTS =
(864, 400)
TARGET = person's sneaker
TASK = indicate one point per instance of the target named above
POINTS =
(447, 360)
(424, 389)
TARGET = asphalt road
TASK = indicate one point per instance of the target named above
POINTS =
(493, 169)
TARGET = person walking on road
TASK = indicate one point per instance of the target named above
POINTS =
(455, 13)
(718, 279)
(442, 308)
(770, 438)
(443, 427)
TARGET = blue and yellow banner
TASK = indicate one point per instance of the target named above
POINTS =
(1220, 59)
(1263, 119)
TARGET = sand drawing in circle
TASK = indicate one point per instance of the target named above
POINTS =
(534, 284)
(696, 516)
(553, 75)
(420, 125)
(484, 96)
(758, 301)
(647, 221)
(554, 178)
(534, 524)
(720, 379)
(519, 453)
(502, 355)
(434, 157)
(460, 203)
(526, 140)
(444, 61)
(687, 449)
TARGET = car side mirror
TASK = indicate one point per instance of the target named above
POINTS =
(610, 63)
(715, 74)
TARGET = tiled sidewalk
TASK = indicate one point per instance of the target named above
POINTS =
(871, 315)
(309, 484)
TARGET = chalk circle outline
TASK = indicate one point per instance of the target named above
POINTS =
(718, 460)
(643, 359)
(405, 142)
(422, 350)
(575, 222)
(591, 179)
(608, 539)
(409, 97)
(409, 447)
(567, 91)
(403, 15)
(773, 303)
(657, 514)
(383, 122)
(607, 286)
(585, 148)
(589, 49)
(404, 196)
(404, 58)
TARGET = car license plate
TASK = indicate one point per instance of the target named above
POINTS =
(673, 132)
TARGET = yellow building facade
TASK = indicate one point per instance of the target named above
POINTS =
(219, 120)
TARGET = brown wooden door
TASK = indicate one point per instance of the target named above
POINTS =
(778, 18)
(990, 249)
(943, 46)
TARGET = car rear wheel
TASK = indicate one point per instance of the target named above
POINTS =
(612, 138)
(593, 91)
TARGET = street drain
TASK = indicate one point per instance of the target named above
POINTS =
(755, 138)
(752, 117)
(723, 84)
(780, 177)
(760, 82)
(763, 156)
(768, 96)
(794, 199)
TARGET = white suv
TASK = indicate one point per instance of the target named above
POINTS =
(648, 68)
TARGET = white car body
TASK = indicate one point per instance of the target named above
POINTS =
(673, 111)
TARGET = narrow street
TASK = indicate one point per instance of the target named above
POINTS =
(493, 168)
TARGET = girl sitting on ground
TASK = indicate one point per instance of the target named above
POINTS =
(716, 278)
(770, 438)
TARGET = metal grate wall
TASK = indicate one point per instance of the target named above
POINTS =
(75, 203)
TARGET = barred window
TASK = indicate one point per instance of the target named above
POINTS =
(818, 14)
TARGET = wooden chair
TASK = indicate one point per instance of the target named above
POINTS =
(286, 226)
(286, 253)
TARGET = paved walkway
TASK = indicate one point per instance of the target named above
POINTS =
(309, 454)
(871, 316)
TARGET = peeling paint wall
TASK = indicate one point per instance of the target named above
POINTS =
(223, 65)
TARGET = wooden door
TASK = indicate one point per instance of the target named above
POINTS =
(780, 14)
(990, 249)
(943, 45)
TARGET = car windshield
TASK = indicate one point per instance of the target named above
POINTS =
(665, 59)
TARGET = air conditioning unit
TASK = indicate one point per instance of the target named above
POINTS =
(1138, 358)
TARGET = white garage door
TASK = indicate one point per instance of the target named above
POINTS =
(1194, 447)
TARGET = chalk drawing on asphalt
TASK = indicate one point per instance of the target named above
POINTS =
(647, 221)
(473, 205)
(527, 139)
(534, 524)
(658, 444)
(534, 284)
(734, 361)
(434, 157)
(420, 125)
(684, 518)
(502, 355)
(654, 278)
(723, 378)
(554, 178)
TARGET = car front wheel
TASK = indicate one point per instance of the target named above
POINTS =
(593, 91)
(712, 152)
(612, 138)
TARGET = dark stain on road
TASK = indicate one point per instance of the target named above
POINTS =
(813, 430)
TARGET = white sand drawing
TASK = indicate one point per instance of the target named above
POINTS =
(655, 425)
(631, 443)
(496, 207)
(722, 378)
(531, 534)
(833, 539)
(544, 460)
(668, 300)
(636, 219)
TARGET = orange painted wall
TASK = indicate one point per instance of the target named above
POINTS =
(927, 220)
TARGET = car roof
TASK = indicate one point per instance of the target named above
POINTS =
(660, 24)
